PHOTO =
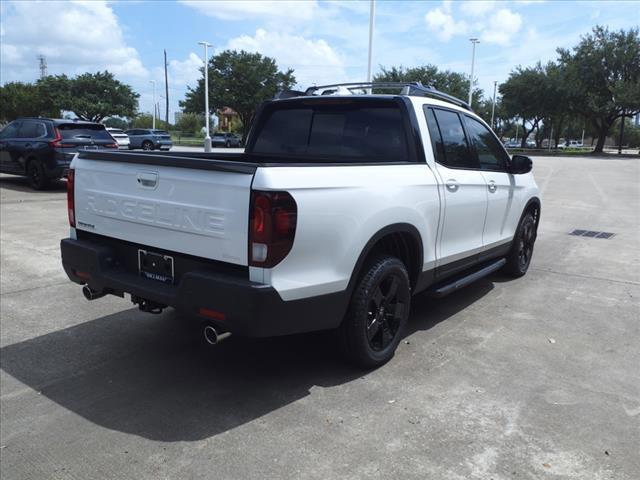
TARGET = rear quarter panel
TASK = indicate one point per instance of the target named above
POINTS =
(339, 209)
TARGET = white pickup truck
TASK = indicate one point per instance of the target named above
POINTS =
(344, 204)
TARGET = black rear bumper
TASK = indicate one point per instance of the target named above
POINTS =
(241, 306)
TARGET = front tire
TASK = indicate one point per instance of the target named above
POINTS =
(519, 258)
(377, 314)
(37, 175)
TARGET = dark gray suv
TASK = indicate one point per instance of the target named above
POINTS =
(149, 139)
(42, 148)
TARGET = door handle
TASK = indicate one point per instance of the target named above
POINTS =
(492, 186)
(452, 185)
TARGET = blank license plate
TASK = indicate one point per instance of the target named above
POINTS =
(155, 266)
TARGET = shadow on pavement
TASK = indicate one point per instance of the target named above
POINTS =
(150, 375)
(21, 184)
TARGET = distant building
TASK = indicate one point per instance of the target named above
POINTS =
(226, 116)
(176, 117)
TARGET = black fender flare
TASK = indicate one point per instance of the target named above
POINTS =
(383, 232)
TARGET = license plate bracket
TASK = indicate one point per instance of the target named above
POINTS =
(156, 266)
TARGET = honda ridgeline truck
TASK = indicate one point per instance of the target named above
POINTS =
(345, 203)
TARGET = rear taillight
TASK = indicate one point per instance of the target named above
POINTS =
(71, 207)
(272, 227)
(111, 145)
(57, 142)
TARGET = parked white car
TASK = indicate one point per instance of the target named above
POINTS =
(121, 138)
(340, 209)
(571, 144)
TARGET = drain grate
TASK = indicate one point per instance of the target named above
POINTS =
(591, 234)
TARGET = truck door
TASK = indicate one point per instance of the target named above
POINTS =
(463, 190)
(502, 209)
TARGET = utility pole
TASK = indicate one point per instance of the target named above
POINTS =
(550, 137)
(42, 65)
(207, 138)
(474, 41)
(493, 106)
(153, 82)
(166, 90)
(372, 14)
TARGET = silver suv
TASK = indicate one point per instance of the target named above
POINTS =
(149, 139)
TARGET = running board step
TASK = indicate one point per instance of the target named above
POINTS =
(450, 286)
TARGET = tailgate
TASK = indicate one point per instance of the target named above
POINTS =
(199, 208)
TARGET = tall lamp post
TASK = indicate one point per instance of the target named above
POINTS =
(153, 82)
(372, 13)
(474, 41)
(493, 105)
(207, 138)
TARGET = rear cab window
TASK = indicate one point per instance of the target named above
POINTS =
(334, 130)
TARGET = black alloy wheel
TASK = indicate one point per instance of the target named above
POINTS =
(377, 314)
(519, 258)
(36, 175)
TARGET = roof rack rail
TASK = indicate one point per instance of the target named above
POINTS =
(406, 88)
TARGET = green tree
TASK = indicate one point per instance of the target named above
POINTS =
(19, 99)
(145, 120)
(241, 81)
(603, 77)
(190, 123)
(115, 122)
(522, 94)
(94, 96)
(453, 83)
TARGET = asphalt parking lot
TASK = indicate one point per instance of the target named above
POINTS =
(531, 378)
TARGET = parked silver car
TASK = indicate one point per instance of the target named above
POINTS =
(119, 136)
(149, 139)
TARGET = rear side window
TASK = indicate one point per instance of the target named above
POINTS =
(30, 129)
(455, 148)
(348, 132)
(80, 131)
(490, 153)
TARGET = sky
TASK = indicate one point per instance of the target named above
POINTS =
(323, 41)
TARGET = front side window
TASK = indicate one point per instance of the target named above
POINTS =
(10, 131)
(491, 155)
(454, 141)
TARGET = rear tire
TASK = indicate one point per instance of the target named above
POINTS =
(37, 175)
(519, 258)
(147, 145)
(377, 314)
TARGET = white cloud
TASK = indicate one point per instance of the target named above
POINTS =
(242, 9)
(504, 24)
(185, 72)
(443, 24)
(477, 8)
(74, 36)
(314, 61)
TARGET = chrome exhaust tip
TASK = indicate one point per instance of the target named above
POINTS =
(91, 294)
(212, 336)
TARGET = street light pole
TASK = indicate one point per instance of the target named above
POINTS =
(372, 13)
(153, 82)
(207, 138)
(493, 106)
(474, 41)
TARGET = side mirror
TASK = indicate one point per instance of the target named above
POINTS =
(520, 164)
